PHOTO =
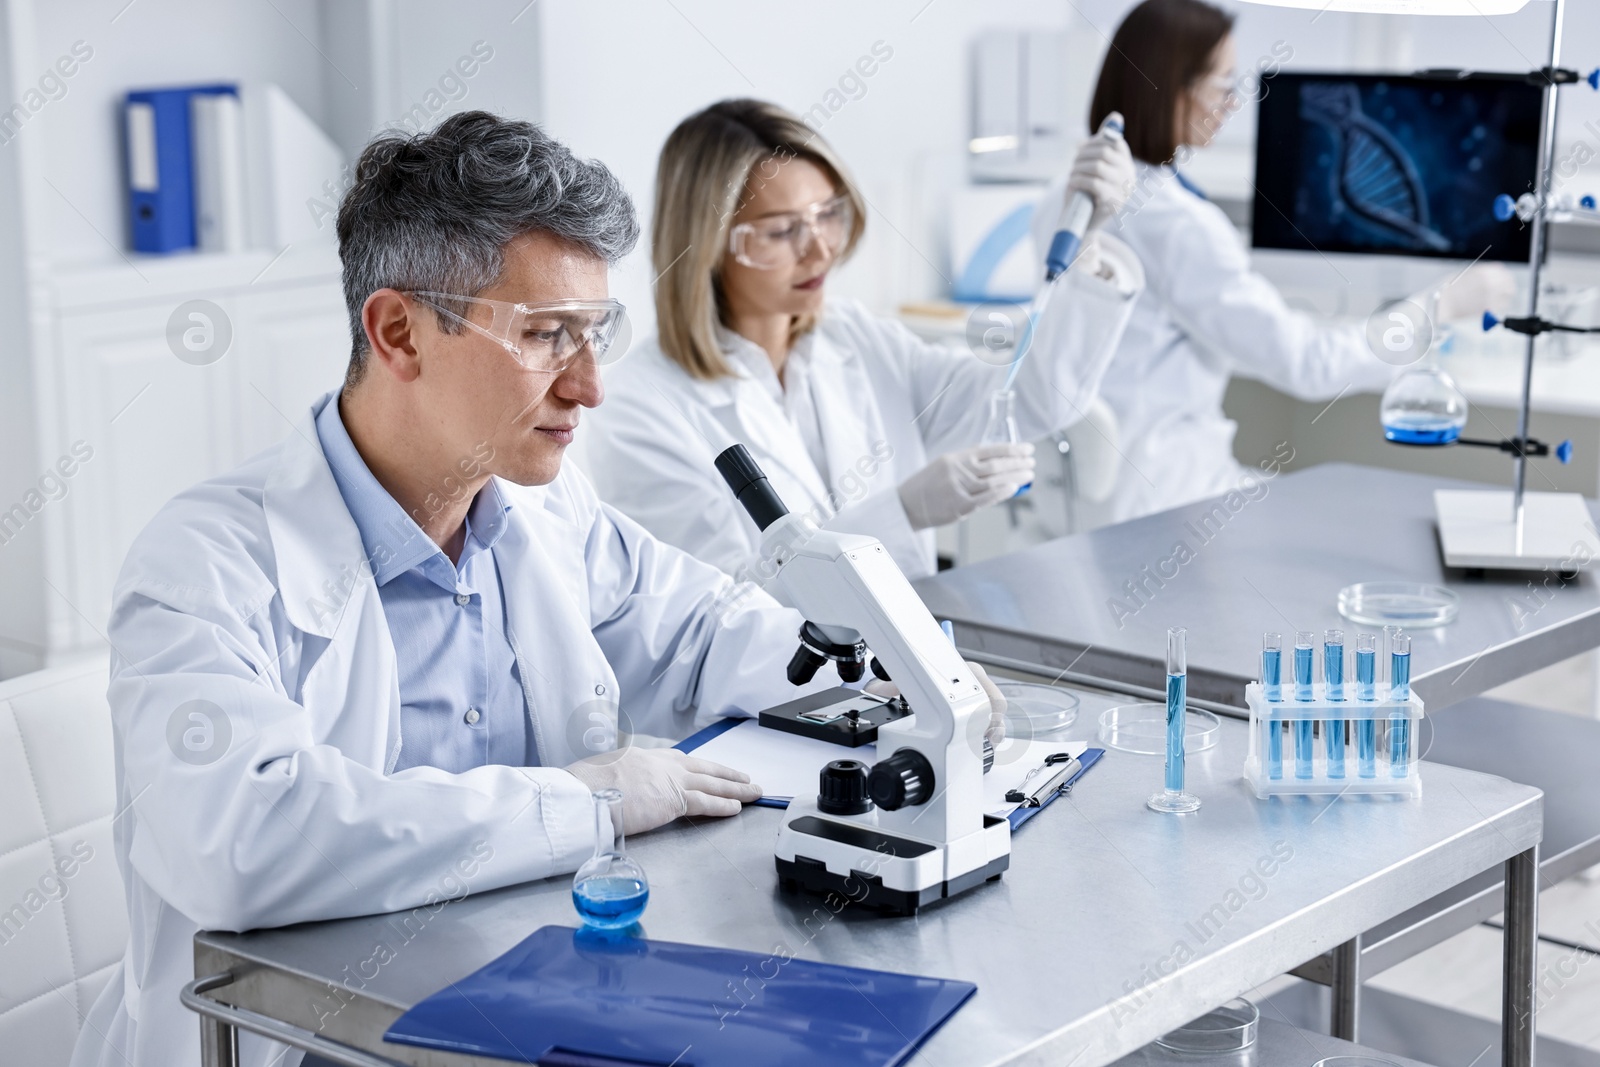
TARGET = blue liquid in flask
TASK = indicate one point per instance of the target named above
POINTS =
(610, 902)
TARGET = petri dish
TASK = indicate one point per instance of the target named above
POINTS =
(1229, 1028)
(1142, 729)
(1414, 605)
(1034, 710)
(1355, 1061)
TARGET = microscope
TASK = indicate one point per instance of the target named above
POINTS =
(911, 829)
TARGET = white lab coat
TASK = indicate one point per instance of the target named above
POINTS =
(886, 402)
(1204, 316)
(249, 592)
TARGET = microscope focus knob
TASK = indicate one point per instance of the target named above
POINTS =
(904, 779)
(843, 788)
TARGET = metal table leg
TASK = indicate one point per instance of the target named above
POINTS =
(1521, 945)
(1346, 990)
(219, 1041)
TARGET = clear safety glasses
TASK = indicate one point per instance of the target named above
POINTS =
(543, 337)
(779, 240)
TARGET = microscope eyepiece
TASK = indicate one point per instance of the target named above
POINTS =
(750, 486)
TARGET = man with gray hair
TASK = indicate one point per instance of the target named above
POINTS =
(387, 662)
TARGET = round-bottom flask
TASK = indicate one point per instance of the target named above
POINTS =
(610, 890)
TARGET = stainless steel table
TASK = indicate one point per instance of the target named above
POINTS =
(1113, 925)
(1094, 608)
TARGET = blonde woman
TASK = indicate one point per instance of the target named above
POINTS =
(855, 421)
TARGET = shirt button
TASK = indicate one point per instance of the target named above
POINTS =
(463, 599)
(472, 716)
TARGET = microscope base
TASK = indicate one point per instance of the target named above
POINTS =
(905, 874)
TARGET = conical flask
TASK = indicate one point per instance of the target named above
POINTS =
(1001, 429)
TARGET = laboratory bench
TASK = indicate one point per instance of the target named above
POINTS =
(1113, 925)
(1094, 609)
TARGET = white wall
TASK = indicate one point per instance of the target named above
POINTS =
(618, 75)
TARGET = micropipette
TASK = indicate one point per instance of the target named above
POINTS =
(1080, 212)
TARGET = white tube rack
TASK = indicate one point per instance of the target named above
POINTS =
(1394, 725)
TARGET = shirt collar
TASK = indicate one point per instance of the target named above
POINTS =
(753, 360)
(392, 540)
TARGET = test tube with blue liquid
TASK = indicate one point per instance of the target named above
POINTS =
(1400, 722)
(1173, 798)
(1333, 677)
(1367, 689)
(1304, 667)
(1272, 689)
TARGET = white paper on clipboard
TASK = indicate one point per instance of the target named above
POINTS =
(787, 765)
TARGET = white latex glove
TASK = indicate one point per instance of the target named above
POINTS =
(959, 483)
(1481, 287)
(660, 784)
(1104, 170)
(996, 732)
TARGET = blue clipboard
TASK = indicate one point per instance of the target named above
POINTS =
(571, 998)
(1016, 818)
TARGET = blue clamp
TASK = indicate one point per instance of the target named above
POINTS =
(1564, 452)
(1505, 207)
(1588, 202)
(1489, 321)
(1593, 79)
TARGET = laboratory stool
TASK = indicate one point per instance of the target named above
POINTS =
(63, 920)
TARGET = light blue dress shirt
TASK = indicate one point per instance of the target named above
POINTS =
(461, 698)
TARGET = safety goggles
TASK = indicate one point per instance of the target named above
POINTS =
(543, 337)
(779, 240)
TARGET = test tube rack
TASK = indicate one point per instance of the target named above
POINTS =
(1378, 754)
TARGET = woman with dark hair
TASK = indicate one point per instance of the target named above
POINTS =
(1205, 315)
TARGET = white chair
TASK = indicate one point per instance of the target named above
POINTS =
(63, 920)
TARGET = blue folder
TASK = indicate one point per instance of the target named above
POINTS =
(570, 998)
(161, 219)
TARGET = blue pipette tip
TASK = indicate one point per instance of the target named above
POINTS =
(1588, 202)
(1593, 79)
(1505, 207)
(1564, 452)
(1489, 321)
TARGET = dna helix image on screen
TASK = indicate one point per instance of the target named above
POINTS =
(1393, 164)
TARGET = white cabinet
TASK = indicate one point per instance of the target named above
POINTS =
(154, 424)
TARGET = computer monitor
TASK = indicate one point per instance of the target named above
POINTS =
(1394, 164)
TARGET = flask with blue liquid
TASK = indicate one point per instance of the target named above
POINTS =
(610, 889)
(1001, 429)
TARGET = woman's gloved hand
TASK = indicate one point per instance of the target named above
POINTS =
(1481, 287)
(959, 483)
(661, 784)
(1104, 170)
